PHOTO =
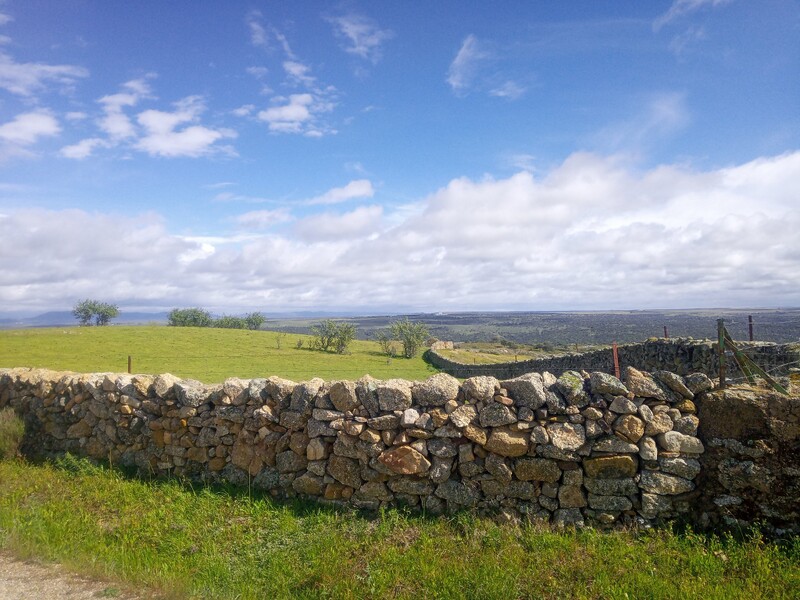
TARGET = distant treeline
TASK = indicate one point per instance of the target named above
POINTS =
(198, 317)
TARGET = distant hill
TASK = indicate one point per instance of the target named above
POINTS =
(62, 318)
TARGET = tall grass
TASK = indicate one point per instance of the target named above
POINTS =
(208, 543)
(11, 430)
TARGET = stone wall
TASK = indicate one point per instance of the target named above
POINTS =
(678, 355)
(568, 450)
(751, 467)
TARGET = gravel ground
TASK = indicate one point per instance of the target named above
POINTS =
(21, 580)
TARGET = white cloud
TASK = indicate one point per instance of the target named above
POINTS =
(25, 130)
(297, 114)
(298, 73)
(358, 188)
(263, 219)
(361, 35)
(76, 116)
(258, 35)
(663, 115)
(361, 222)
(593, 232)
(5, 19)
(465, 64)
(162, 138)
(115, 123)
(681, 43)
(25, 79)
(257, 72)
(509, 89)
(83, 149)
(244, 111)
(681, 8)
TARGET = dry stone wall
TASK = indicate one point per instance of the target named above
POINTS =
(568, 450)
(678, 355)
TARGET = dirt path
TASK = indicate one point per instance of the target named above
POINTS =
(22, 580)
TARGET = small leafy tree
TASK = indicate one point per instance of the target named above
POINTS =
(330, 335)
(387, 343)
(84, 311)
(189, 317)
(345, 333)
(254, 320)
(411, 334)
(102, 312)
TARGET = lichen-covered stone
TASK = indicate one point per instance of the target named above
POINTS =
(495, 415)
(537, 469)
(610, 467)
(656, 482)
(570, 383)
(437, 390)
(394, 394)
(643, 385)
(343, 396)
(480, 389)
(566, 436)
(526, 390)
(603, 383)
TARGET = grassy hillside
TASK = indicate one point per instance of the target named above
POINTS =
(207, 354)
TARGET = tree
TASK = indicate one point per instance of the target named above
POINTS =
(411, 334)
(387, 343)
(345, 333)
(102, 312)
(189, 317)
(330, 335)
(227, 322)
(255, 320)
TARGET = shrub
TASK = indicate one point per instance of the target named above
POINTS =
(411, 334)
(226, 322)
(254, 320)
(387, 343)
(189, 317)
(332, 335)
(11, 430)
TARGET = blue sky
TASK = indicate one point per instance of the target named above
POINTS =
(399, 156)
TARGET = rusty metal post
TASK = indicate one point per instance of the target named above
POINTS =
(129, 363)
(721, 349)
(616, 360)
(750, 326)
(666, 333)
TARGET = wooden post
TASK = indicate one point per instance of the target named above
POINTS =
(129, 363)
(721, 349)
(616, 360)
(750, 326)
(666, 334)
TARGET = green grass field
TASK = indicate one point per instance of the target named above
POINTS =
(207, 354)
(204, 543)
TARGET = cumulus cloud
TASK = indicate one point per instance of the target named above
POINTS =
(358, 188)
(82, 149)
(25, 79)
(681, 8)
(258, 34)
(360, 222)
(592, 232)
(296, 114)
(263, 219)
(25, 130)
(361, 36)
(163, 138)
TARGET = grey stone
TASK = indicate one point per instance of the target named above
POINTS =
(698, 383)
(565, 517)
(437, 390)
(614, 445)
(566, 436)
(603, 383)
(622, 405)
(656, 482)
(648, 449)
(672, 441)
(643, 385)
(289, 462)
(570, 383)
(687, 425)
(609, 503)
(688, 468)
(480, 389)
(537, 469)
(463, 415)
(345, 470)
(660, 423)
(457, 492)
(654, 505)
(495, 414)
(442, 447)
(526, 390)
(675, 383)
(394, 394)
(343, 396)
(611, 487)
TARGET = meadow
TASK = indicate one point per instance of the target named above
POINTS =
(175, 541)
(207, 354)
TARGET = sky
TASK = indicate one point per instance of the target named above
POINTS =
(389, 157)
